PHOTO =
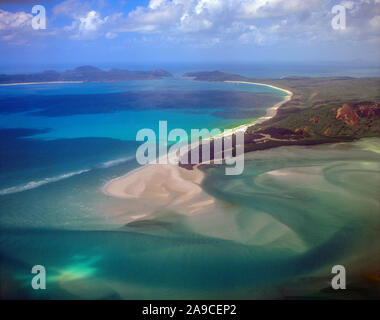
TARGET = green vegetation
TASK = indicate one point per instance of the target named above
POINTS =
(322, 110)
(314, 92)
(313, 110)
(326, 123)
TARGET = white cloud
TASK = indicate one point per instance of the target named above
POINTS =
(232, 20)
(90, 25)
(111, 35)
(375, 22)
(214, 19)
(14, 26)
(211, 6)
(155, 3)
(183, 16)
(251, 9)
(91, 22)
(87, 23)
(348, 4)
(212, 22)
(12, 21)
(71, 8)
(86, 27)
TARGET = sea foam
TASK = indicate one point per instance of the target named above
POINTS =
(116, 162)
(36, 184)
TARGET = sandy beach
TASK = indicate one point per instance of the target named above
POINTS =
(169, 186)
(161, 186)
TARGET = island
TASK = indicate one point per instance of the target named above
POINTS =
(82, 74)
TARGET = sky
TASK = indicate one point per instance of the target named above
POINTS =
(122, 32)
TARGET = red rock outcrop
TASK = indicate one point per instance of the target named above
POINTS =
(314, 119)
(303, 132)
(368, 109)
(348, 115)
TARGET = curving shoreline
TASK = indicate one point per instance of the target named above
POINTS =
(172, 186)
(270, 112)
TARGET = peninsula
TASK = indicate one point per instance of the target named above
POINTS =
(321, 110)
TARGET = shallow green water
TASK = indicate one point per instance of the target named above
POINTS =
(276, 231)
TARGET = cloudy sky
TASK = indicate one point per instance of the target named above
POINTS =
(95, 31)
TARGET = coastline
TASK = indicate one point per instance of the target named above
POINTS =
(270, 112)
(171, 186)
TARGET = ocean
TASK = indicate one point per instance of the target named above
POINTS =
(275, 232)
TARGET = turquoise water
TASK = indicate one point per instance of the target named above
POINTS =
(60, 143)
(79, 127)
(122, 123)
(274, 232)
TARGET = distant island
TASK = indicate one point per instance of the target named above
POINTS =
(83, 74)
(321, 110)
